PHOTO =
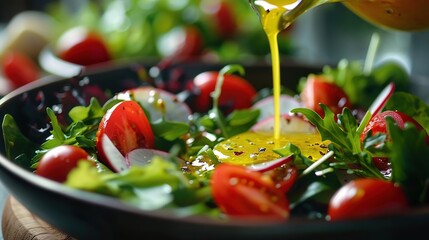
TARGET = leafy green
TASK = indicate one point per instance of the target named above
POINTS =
(169, 130)
(81, 132)
(344, 137)
(82, 113)
(409, 153)
(18, 147)
(150, 187)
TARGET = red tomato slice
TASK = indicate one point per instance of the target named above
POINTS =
(59, 161)
(318, 90)
(365, 198)
(237, 93)
(84, 47)
(19, 69)
(378, 123)
(240, 192)
(127, 127)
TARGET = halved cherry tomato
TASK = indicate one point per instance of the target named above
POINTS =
(82, 46)
(241, 192)
(284, 176)
(378, 123)
(19, 69)
(237, 93)
(59, 161)
(319, 90)
(127, 127)
(365, 198)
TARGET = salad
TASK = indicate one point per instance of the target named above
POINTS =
(200, 147)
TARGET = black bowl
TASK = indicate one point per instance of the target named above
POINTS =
(86, 215)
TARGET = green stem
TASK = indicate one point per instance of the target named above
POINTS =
(372, 52)
(217, 114)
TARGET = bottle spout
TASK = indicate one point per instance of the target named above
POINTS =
(290, 9)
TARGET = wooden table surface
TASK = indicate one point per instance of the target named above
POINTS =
(19, 223)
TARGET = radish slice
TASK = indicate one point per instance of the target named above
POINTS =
(143, 156)
(137, 157)
(113, 157)
(270, 165)
(158, 102)
(266, 105)
(382, 98)
(288, 124)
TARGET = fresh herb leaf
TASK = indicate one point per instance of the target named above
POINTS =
(344, 137)
(149, 187)
(17, 146)
(81, 113)
(169, 130)
(409, 153)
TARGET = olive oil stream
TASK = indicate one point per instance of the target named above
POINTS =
(275, 16)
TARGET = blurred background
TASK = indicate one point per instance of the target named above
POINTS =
(225, 31)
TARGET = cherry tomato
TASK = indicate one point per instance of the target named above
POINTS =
(378, 123)
(365, 198)
(319, 90)
(284, 176)
(59, 161)
(240, 192)
(19, 69)
(190, 45)
(237, 93)
(223, 18)
(82, 46)
(127, 127)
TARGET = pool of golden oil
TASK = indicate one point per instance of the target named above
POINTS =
(251, 147)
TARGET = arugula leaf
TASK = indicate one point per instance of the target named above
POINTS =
(343, 134)
(17, 146)
(241, 120)
(409, 153)
(300, 160)
(344, 137)
(169, 130)
(81, 131)
(313, 188)
(93, 111)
